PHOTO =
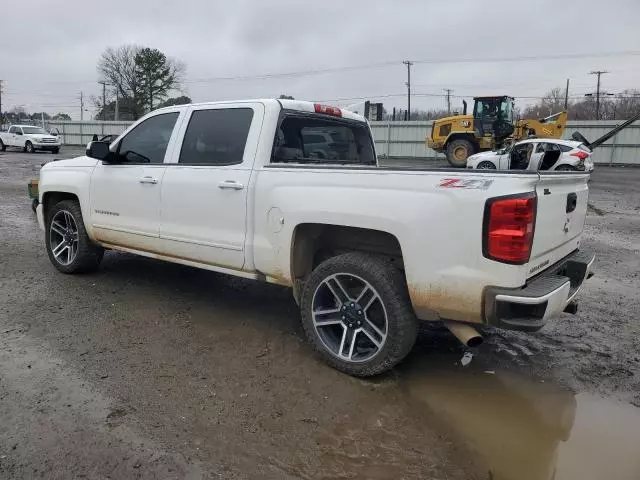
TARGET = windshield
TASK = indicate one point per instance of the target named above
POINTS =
(34, 130)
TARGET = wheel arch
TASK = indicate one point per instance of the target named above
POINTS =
(313, 243)
(51, 198)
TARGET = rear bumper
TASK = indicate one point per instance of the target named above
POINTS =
(542, 298)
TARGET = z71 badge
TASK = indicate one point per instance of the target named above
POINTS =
(477, 184)
(465, 123)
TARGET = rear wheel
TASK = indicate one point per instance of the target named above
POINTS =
(69, 247)
(357, 314)
(486, 166)
(28, 147)
(458, 151)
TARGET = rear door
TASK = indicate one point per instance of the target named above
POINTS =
(562, 209)
(205, 187)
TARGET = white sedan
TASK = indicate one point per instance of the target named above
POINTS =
(536, 154)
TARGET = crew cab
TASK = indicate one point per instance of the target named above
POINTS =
(29, 139)
(367, 250)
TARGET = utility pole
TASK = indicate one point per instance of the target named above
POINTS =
(117, 111)
(1, 116)
(449, 92)
(81, 107)
(598, 73)
(566, 96)
(408, 64)
(104, 99)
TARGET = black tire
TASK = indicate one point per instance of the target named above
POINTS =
(34, 205)
(28, 147)
(88, 254)
(3, 147)
(565, 168)
(486, 165)
(458, 151)
(55, 151)
(389, 283)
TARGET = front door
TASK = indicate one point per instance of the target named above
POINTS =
(16, 137)
(205, 188)
(125, 194)
(536, 156)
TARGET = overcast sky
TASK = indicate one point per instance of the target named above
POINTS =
(50, 49)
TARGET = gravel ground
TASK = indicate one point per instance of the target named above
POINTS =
(146, 369)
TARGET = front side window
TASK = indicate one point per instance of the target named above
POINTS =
(311, 139)
(216, 137)
(13, 130)
(147, 142)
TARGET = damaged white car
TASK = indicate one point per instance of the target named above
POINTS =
(536, 154)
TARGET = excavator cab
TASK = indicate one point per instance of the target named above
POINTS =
(493, 116)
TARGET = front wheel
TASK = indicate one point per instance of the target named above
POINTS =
(3, 147)
(55, 151)
(486, 166)
(69, 247)
(458, 151)
(357, 314)
(28, 147)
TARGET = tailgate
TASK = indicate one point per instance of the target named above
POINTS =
(562, 208)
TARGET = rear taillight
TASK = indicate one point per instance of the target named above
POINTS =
(327, 110)
(508, 228)
(580, 154)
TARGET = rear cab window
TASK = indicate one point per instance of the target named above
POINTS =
(317, 139)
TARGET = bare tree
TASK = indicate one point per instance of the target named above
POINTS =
(117, 66)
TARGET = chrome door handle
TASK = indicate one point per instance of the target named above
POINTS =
(233, 185)
(149, 179)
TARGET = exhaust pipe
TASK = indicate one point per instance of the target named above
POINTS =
(467, 335)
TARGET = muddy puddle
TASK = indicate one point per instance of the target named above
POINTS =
(518, 428)
(496, 424)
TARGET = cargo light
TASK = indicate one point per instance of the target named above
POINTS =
(328, 110)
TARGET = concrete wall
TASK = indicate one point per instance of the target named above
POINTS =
(405, 140)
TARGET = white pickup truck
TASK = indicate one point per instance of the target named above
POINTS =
(29, 139)
(367, 250)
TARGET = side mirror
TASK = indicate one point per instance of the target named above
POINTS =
(98, 150)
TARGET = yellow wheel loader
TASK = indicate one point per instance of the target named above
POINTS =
(490, 127)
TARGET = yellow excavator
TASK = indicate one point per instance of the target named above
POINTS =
(490, 127)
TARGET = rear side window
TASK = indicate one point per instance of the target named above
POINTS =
(216, 137)
(317, 140)
(565, 148)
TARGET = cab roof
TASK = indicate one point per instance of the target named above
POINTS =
(299, 105)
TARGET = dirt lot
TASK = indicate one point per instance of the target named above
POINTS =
(152, 370)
